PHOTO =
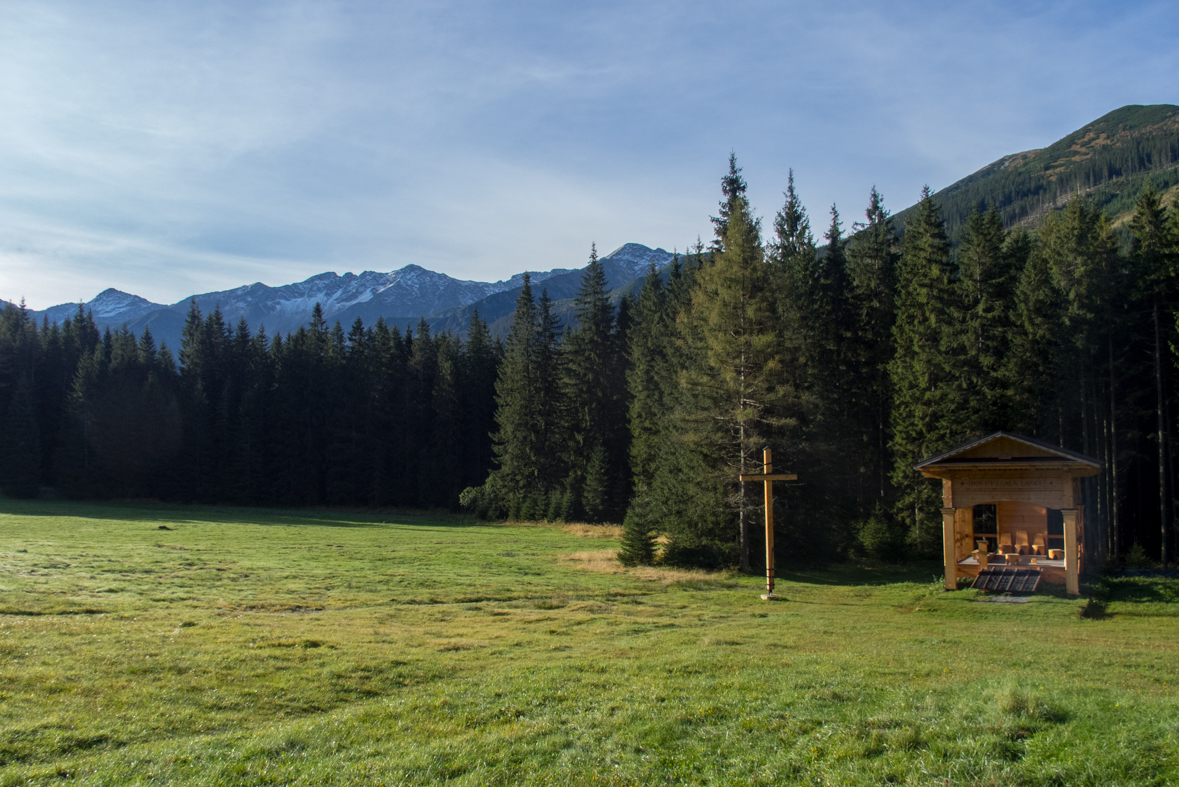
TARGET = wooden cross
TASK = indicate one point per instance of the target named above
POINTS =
(769, 477)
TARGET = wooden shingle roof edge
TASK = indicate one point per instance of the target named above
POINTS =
(1064, 453)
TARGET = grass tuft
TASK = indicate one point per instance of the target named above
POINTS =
(1023, 703)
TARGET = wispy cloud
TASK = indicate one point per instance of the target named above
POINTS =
(168, 148)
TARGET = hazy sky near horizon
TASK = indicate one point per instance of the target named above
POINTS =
(173, 147)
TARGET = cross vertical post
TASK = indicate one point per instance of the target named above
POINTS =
(769, 469)
(768, 477)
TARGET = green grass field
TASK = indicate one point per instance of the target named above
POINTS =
(279, 647)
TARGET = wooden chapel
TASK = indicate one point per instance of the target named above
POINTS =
(1012, 500)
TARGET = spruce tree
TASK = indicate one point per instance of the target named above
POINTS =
(1157, 268)
(528, 406)
(986, 302)
(794, 254)
(737, 385)
(1036, 335)
(638, 533)
(444, 448)
(477, 373)
(649, 377)
(595, 491)
(733, 188)
(872, 261)
(593, 389)
(923, 370)
(551, 408)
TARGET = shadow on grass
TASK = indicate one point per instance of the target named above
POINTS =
(853, 574)
(1153, 590)
(180, 514)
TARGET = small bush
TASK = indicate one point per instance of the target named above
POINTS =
(1137, 558)
(638, 534)
(476, 500)
(880, 538)
(555, 513)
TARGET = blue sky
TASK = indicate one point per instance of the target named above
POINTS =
(167, 148)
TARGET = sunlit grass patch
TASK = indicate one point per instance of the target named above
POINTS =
(605, 561)
(585, 530)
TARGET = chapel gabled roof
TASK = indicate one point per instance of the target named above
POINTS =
(1024, 451)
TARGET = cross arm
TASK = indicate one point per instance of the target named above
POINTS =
(769, 477)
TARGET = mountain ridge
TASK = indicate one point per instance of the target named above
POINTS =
(402, 297)
(1109, 160)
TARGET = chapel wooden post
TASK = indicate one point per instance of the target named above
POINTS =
(1072, 579)
(768, 477)
(949, 516)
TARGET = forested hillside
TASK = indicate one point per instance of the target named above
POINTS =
(851, 358)
(1110, 161)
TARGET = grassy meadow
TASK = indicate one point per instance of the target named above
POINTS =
(244, 646)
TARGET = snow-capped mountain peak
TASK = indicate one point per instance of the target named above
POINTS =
(400, 296)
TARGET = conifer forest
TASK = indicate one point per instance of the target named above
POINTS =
(852, 350)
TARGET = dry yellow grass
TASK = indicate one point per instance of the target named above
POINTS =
(605, 561)
(586, 530)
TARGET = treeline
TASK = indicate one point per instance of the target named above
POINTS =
(852, 357)
(371, 417)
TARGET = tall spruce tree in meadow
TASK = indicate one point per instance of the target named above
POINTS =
(736, 389)
(872, 262)
(812, 294)
(304, 369)
(925, 416)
